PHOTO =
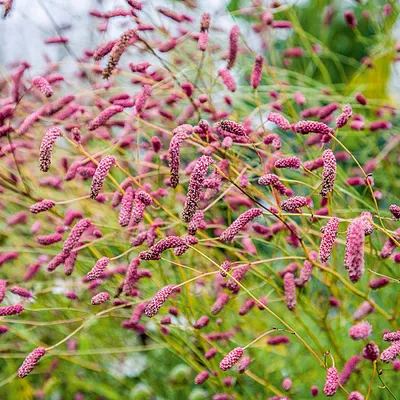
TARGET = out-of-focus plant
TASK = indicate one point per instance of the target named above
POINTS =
(207, 208)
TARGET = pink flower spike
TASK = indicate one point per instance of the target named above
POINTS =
(256, 75)
(43, 86)
(100, 175)
(158, 300)
(228, 79)
(290, 291)
(229, 234)
(395, 210)
(345, 116)
(231, 359)
(233, 45)
(360, 331)
(30, 362)
(103, 117)
(126, 207)
(11, 310)
(46, 147)
(98, 269)
(100, 298)
(288, 162)
(332, 382)
(279, 120)
(354, 255)
(294, 203)
(328, 172)
(328, 239)
(42, 206)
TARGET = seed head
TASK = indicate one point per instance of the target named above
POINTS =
(30, 362)
(231, 359)
(328, 239)
(100, 175)
(354, 255)
(46, 147)
(158, 300)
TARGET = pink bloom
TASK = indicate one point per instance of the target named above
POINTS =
(75, 235)
(56, 39)
(389, 246)
(30, 362)
(103, 117)
(228, 79)
(328, 172)
(391, 336)
(327, 110)
(158, 300)
(281, 24)
(103, 50)
(231, 359)
(98, 269)
(305, 274)
(196, 222)
(290, 291)
(229, 234)
(100, 175)
(41, 206)
(201, 377)
(69, 262)
(201, 322)
(221, 301)
(142, 97)
(210, 354)
(180, 134)
(348, 369)
(46, 147)
(288, 162)
(378, 125)
(276, 340)
(170, 14)
(126, 207)
(256, 75)
(20, 291)
(378, 283)
(328, 239)
(314, 391)
(154, 253)
(233, 45)
(232, 127)
(287, 384)
(395, 210)
(195, 185)
(274, 140)
(332, 381)
(362, 311)
(345, 116)
(43, 85)
(355, 396)
(371, 352)
(299, 98)
(354, 255)
(11, 310)
(279, 120)
(273, 180)
(49, 239)
(168, 45)
(203, 40)
(360, 331)
(361, 99)
(243, 364)
(391, 352)
(117, 51)
(305, 127)
(247, 306)
(100, 298)
(294, 203)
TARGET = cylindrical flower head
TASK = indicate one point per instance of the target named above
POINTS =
(49, 239)
(232, 127)
(247, 306)
(371, 352)
(100, 175)
(391, 336)
(11, 310)
(100, 298)
(98, 269)
(220, 302)
(43, 86)
(294, 203)
(332, 381)
(203, 41)
(103, 117)
(75, 235)
(210, 354)
(3, 288)
(279, 120)
(117, 51)
(328, 239)
(231, 359)
(290, 291)
(201, 377)
(256, 75)
(142, 200)
(288, 162)
(227, 79)
(195, 185)
(46, 147)
(348, 369)
(233, 45)
(355, 396)
(158, 300)
(126, 207)
(361, 99)
(273, 180)
(201, 322)
(363, 310)
(287, 384)
(243, 364)
(180, 134)
(41, 206)
(354, 255)
(378, 283)
(328, 172)
(226, 266)
(103, 50)
(20, 291)
(314, 391)
(345, 116)
(395, 210)
(366, 218)
(390, 246)
(154, 253)
(274, 140)
(142, 97)
(360, 331)
(30, 362)
(69, 263)
(391, 352)
(229, 234)
(305, 274)
(327, 110)
(305, 127)
(196, 222)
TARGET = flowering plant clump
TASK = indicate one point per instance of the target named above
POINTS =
(197, 200)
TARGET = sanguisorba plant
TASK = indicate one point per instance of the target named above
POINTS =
(201, 211)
